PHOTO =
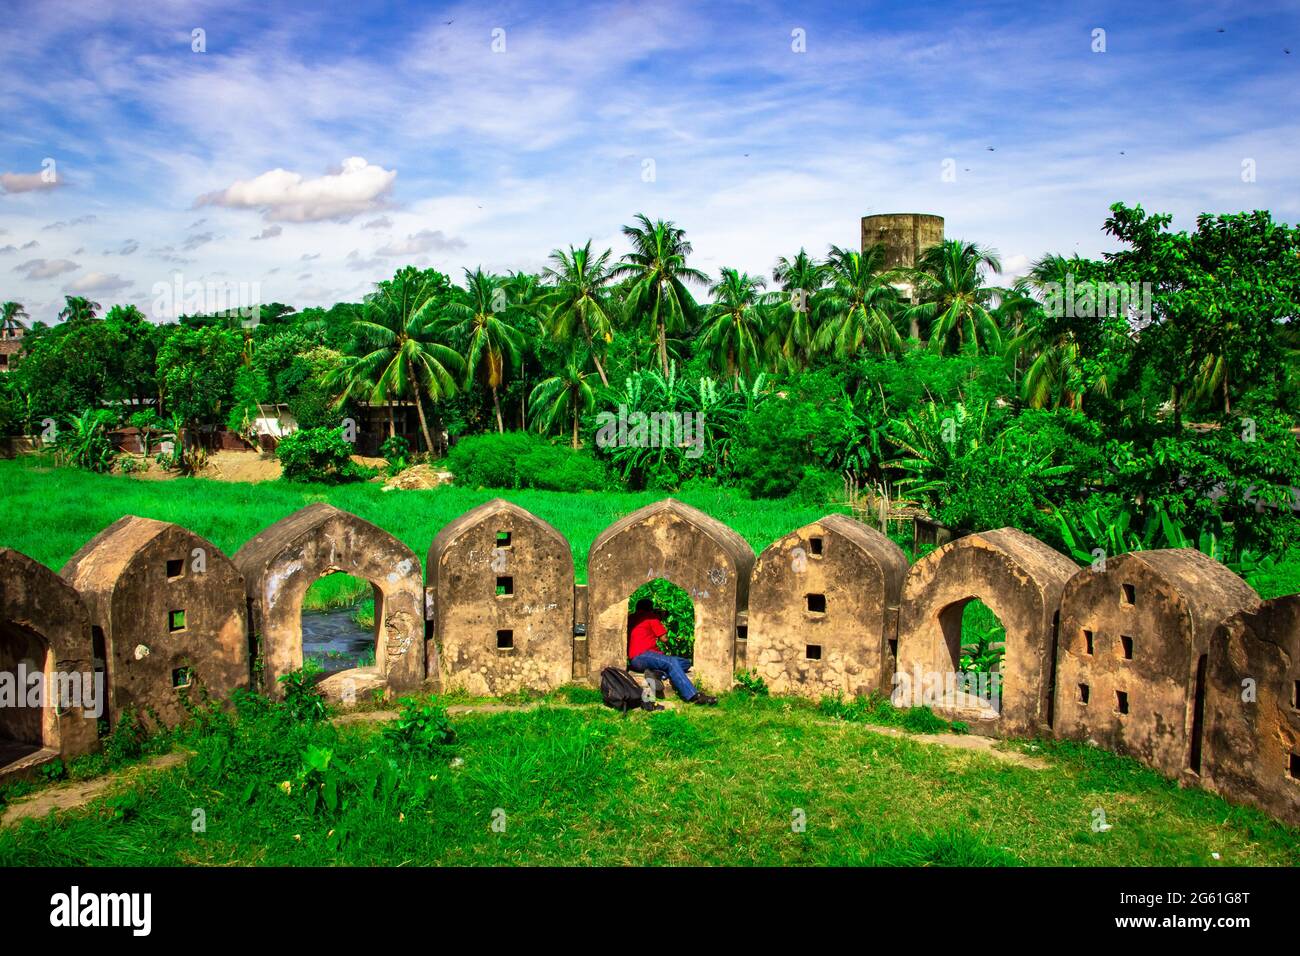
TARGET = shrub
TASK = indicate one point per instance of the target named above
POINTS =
(523, 460)
(750, 683)
(678, 615)
(316, 454)
(420, 728)
(301, 698)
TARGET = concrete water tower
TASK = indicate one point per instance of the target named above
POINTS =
(905, 235)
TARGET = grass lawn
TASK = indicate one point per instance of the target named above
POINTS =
(48, 513)
(577, 786)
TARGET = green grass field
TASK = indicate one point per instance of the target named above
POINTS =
(48, 513)
(578, 786)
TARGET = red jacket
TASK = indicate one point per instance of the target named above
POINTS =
(644, 631)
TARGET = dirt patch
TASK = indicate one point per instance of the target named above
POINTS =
(418, 478)
(70, 796)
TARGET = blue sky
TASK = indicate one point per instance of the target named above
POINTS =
(314, 152)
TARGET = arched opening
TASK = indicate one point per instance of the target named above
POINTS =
(976, 641)
(24, 730)
(341, 616)
(661, 600)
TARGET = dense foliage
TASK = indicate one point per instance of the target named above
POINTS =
(1145, 399)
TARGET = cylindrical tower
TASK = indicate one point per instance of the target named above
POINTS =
(905, 235)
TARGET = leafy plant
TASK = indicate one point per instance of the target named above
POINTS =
(421, 728)
(302, 698)
(751, 683)
(678, 612)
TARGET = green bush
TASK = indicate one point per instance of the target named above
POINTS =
(316, 454)
(678, 613)
(420, 728)
(523, 460)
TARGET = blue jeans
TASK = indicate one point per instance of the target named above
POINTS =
(674, 667)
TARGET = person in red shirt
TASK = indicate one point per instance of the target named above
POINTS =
(645, 627)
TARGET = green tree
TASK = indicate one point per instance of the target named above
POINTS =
(562, 400)
(735, 325)
(801, 279)
(12, 317)
(657, 295)
(78, 308)
(579, 303)
(857, 307)
(955, 305)
(492, 345)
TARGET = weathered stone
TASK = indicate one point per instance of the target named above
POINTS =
(1132, 638)
(154, 585)
(854, 574)
(501, 584)
(283, 560)
(1020, 579)
(697, 553)
(1250, 752)
(45, 628)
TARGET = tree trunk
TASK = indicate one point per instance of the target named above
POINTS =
(575, 427)
(591, 347)
(392, 422)
(419, 409)
(663, 348)
(496, 406)
(1227, 402)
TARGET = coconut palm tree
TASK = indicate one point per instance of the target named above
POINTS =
(580, 302)
(477, 317)
(857, 307)
(396, 351)
(735, 325)
(955, 305)
(78, 308)
(12, 316)
(657, 295)
(562, 399)
(801, 279)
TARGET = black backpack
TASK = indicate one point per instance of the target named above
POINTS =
(621, 692)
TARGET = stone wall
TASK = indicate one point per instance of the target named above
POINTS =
(1186, 670)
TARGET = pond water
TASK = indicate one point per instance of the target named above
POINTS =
(336, 641)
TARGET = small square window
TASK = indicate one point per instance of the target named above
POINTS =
(815, 547)
(1130, 595)
(1121, 701)
(813, 652)
(1083, 693)
(505, 640)
(1087, 642)
(1126, 645)
(816, 603)
(503, 539)
(182, 677)
(893, 648)
(176, 621)
(1295, 694)
(175, 568)
(1295, 767)
(505, 587)
(742, 632)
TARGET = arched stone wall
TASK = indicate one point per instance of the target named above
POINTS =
(44, 617)
(676, 542)
(501, 594)
(283, 560)
(1132, 639)
(170, 605)
(1020, 579)
(823, 605)
(1252, 724)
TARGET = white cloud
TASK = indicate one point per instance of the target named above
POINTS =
(283, 196)
(426, 240)
(98, 283)
(79, 221)
(46, 268)
(28, 182)
(270, 232)
(383, 222)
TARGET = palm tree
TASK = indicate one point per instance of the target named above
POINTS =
(657, 267)
(79, 309)
(12, 315)
(396, 352)
(580, 302)
(735, 324)
(857, 308)
(801, 279)
(1058, 371)
(564, 397)
(492, 345)
(954, 304)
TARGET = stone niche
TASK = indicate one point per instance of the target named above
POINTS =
(1019, 579)
(697, 553)
(823, 605)
(501, 597)
(1251, 747)
(1131, 654)
(168, 607)
(283, 560)
(44, 629)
